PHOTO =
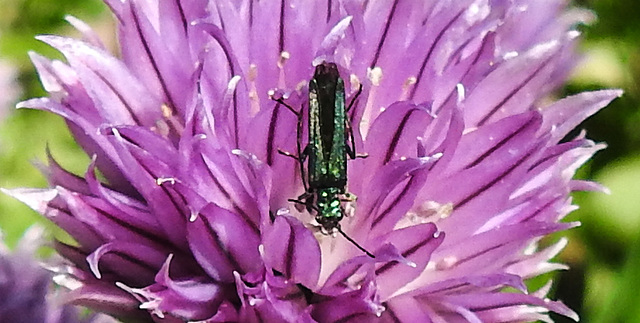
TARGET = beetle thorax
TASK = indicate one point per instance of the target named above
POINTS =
(329, 208)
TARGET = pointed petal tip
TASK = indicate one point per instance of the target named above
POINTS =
(48, 39)
(604, 95)
(35, 198)
(560, 308)
(36, 103)
(617, 92)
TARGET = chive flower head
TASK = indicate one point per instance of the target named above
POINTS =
(189, 218)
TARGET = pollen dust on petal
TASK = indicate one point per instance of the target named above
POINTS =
(429, 211)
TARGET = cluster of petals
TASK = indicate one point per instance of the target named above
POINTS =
(26, 293)
(183, 213)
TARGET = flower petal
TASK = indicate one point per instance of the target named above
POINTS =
(223, 243)
(416, 244)
(566, 114)
(405, 309)
(408, 122)
(133, 262)
(510, 88)
(116, 93)
(292, 250)
(391, 194)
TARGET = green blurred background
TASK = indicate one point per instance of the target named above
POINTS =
(603, 284)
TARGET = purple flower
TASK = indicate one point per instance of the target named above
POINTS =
(25, 287)
(466, 166)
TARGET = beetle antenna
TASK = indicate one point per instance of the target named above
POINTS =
(355, 243)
